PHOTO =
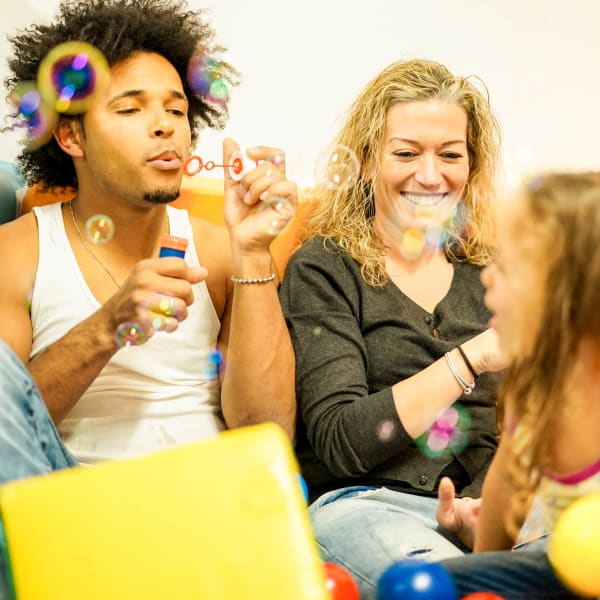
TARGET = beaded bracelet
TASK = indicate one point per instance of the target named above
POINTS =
(467, 362)
(467, 387)
(271, 277)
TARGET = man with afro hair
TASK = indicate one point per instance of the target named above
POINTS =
(132, 352)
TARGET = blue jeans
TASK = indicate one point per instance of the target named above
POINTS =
(366, 529)
(29, 442)
(513, 575)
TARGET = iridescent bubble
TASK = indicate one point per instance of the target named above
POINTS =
(435, 236)
(218, 92)
(199, 79)
(100, 229)
(71, 75)
(279, 211)
(448, 434)
(385, 430)
(215, 361)
(412, 243)
(204, 75)
(158, 323)
(130, 334)
(32, 114)
(339, 168)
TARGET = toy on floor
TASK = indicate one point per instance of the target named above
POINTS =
(416, 580)
(340, 583)
(574, 547)
(219, 519)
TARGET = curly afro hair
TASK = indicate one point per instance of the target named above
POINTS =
(118, 28)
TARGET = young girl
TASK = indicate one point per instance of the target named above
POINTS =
(543, 292)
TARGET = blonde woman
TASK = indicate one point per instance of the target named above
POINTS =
(385, 308)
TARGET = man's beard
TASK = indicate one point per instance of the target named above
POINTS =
(161, 196)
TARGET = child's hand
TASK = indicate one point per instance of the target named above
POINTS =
(457, 515)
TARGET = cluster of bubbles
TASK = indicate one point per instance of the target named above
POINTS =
(448, 434)
(68, 79)
(205, 77)
(99, 230)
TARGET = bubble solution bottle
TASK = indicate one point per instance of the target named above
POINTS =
(171, 245)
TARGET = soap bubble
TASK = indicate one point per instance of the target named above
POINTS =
(130, 334)
(339, 168)
(71, 75)
(100, 229)
(280, 212)
(32, 114)
(205, 77)
(448, 434)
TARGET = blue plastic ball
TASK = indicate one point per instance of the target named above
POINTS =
(416, 580)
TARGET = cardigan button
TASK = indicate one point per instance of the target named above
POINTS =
(428, 320)
(423, 479)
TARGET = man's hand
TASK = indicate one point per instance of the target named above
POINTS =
(457, 515)
(155, 296)
(260, 204)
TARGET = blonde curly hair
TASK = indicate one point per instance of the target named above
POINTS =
(346, 214)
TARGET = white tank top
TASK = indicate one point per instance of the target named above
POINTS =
(160, 394)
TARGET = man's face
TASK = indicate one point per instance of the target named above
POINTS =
(137, 133)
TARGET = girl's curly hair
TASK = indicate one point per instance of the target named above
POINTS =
(119, 29)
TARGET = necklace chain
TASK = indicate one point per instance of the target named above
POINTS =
(91, 253)
(86, 246)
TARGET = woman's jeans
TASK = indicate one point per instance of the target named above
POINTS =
(366, 529)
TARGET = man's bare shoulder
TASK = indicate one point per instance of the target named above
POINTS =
(19, 240)
(19, 249)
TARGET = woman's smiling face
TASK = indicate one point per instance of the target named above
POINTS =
(424, 164)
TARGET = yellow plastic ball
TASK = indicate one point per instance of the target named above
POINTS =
(574, 546)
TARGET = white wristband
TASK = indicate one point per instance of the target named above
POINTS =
(467, 387)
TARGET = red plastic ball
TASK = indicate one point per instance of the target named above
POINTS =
(339, 583)
(483, 596)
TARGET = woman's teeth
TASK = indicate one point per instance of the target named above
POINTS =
(424, 199)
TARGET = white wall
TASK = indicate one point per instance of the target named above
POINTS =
(303, 63)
